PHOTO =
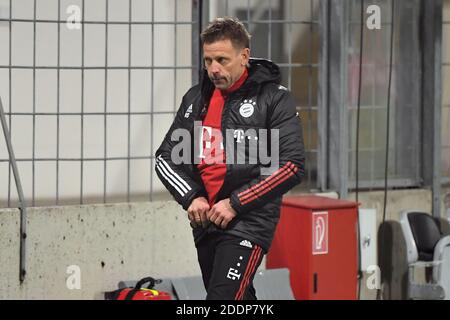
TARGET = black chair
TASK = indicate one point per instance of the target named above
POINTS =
(427, 247)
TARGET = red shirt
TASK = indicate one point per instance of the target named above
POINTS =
(212, 167)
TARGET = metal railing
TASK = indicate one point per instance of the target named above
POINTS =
(100, 138)
(22, 202)
(139, 102)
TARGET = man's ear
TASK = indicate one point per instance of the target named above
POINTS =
(245, 53)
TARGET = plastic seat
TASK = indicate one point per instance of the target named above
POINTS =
(426, 248)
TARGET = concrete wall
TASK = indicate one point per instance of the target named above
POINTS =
(109, 243)
(117, 242)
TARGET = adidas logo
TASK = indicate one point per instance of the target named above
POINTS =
(188, 112)
(246, 243)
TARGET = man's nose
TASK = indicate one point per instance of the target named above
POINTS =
(215, 67)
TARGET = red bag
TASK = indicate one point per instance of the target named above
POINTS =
(139, 293)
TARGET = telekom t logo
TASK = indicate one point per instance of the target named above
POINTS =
(239, 135)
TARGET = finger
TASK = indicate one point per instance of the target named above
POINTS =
(191, 218)
(210, 213)
(192, 222)
(194, 217)
(214, 216)
(204, 219)
(202, 216)
(218, 221)
(224, 223)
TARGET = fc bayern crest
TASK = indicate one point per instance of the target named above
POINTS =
(247, 108)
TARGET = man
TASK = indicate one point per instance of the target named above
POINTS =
(233, 207)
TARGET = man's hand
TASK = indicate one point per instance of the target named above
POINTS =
(197, 212)
(221, 213)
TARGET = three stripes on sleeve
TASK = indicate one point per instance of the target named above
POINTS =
(172, 177)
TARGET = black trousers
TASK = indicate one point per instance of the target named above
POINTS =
(228, 266)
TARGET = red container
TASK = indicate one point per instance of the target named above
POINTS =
(316, 239)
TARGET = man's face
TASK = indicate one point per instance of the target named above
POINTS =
(224, 62)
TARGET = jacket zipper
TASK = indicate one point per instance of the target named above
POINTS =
(225, 112)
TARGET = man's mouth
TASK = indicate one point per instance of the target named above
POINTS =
(217, 79)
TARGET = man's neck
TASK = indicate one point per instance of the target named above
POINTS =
(238, 83)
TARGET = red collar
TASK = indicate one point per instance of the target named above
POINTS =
(238, 83)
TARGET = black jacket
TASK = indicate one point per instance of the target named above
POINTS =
(255, 197)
